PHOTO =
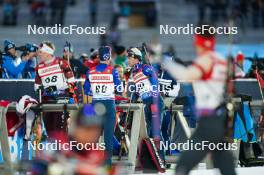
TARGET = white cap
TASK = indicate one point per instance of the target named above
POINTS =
(136, 51)
(46, 49)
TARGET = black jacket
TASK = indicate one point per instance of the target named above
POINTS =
(78, 68)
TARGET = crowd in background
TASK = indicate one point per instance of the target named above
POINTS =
(41, 9)
(20, 61)
(244, 12)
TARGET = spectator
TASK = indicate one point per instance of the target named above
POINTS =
(58, 8)
(84, 57)
(239, 65)
(171, 51)
(262, 12)
(256, 6)
(39, 12)
(202, 6)
(72, 2)
(239, 12)
(94, 59)
(120, 70)
(122, 79)
(218, 10)
(125, 10)
(31, 53)
(13, 66)
(103, 40)
(121, 58)
(122, 19)
(77, 67)
(93, 7)
(151, 16)
(10, 8)
(114, 37)
(114, 20)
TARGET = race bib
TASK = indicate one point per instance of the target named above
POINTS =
(102, 85)
(52, 76)
(53, 80)
(143, 84)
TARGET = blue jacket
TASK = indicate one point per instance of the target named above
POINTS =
(11, 70)
(100, 68)
(148, 71)
(151, 98)
(29, 71)
(166, 82)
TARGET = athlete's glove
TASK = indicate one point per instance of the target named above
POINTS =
(24, 104)
(73, 91)
(157, 59)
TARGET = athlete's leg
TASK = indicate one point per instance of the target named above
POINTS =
(189, 159)
(109, 124)
(148, 118)
(165, 129)
(207, 130)
(224, 161)
(163, 121)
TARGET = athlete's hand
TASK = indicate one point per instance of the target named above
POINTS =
(160, 59)
(155, 60)
(25, 57)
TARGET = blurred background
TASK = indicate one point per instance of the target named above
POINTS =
(131, 22)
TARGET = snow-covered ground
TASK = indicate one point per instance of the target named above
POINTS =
(240, 171)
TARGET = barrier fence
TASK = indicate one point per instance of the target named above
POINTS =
(13, 89)
(249, 87)
(138, 129)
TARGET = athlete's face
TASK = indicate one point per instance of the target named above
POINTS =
(199, 50)
(43, 56)
(240, 62)
(97, 60)
(67, 55)
(12, 52)
(132, 61)
(120, 72)
(32, 54)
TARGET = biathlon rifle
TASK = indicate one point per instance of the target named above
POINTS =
(125, 142)
(145, 53)
(155, 115)
(230, 91)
